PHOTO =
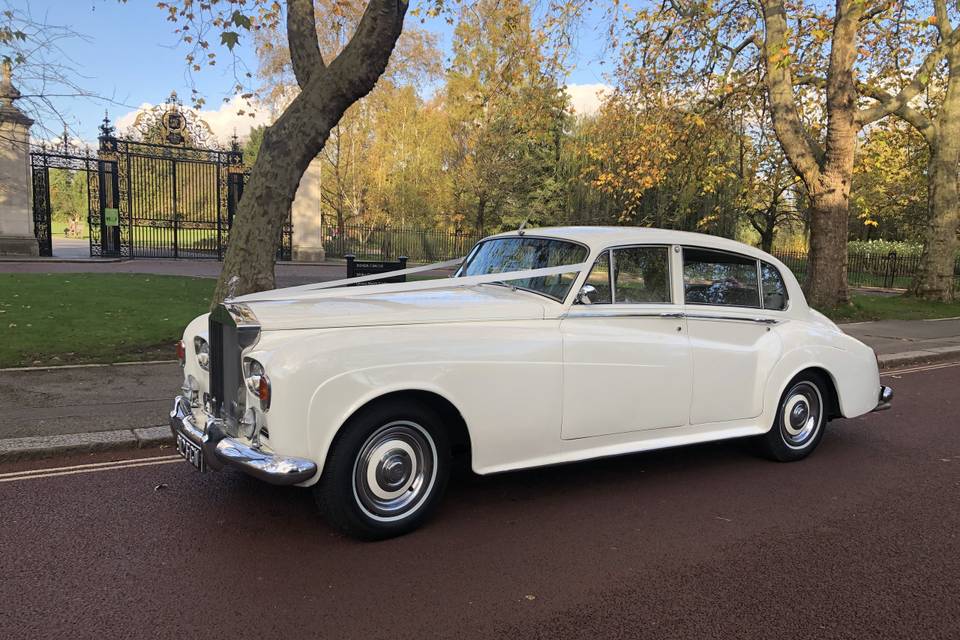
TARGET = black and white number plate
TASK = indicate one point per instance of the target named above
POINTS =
(190, 452)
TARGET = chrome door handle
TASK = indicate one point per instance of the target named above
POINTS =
(766, 320)
(673, 314)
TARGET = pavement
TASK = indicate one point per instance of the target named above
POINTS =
(909, 338)
(71, 248)
(857, 541)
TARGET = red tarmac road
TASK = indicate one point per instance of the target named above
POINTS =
(859, 541)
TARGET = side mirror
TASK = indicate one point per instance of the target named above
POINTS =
(583, 296)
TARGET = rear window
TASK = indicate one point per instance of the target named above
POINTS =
(720, 278)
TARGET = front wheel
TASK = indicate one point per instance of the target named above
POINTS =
(800, 420)
(386, 472)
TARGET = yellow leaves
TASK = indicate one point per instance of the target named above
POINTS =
(707, 220)
(932, 20)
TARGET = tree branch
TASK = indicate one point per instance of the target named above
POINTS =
(797, 144)
(943, 20)
(876, 11)
(753, 38)
(302, 40)
(919, 82)
(841, 89)
(364, 59)
(914, 117)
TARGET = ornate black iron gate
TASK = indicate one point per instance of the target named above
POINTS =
(78, 167)
(166, 193)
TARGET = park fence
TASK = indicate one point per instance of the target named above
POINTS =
(890, 271)
(390, 243)
(864, 269)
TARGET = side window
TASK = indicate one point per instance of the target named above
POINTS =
(599, 279)
(641, 275)
(774, 291)
(716, 277)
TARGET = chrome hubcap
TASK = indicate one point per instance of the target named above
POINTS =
(801, 415)
(395, 470)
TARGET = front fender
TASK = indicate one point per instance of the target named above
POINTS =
(486, 370)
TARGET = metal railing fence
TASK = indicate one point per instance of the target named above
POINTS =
(889, 271)
(389, 243)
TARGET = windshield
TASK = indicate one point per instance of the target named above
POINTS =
(501, 255)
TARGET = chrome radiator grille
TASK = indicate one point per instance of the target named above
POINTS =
(232, 328)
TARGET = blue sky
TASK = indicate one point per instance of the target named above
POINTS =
(130, 55)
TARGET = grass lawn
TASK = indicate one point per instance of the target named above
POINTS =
(71, 318)
(864, 308)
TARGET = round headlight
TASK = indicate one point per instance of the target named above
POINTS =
(202, 348)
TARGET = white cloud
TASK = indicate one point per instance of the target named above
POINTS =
(223, 121)
(585, 99)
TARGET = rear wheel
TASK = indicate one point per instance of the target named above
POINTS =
(386, 472)
(800, 420)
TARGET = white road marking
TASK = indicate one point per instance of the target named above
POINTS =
(89, 465)
(929, 367)
(91, 468)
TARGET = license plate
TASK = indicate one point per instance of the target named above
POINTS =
(190, 452)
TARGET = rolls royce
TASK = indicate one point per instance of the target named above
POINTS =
(546, 346)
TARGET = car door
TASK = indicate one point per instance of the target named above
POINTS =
(731, 339)
(626, 358)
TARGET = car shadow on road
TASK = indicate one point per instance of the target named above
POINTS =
(530, 495)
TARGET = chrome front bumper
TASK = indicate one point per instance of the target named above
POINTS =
(220, 450)
(886, 397)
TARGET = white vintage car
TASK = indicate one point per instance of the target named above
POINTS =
(546, 346)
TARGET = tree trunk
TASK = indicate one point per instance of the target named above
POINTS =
(827, 172)
(299, 134)
(935, 278)
(481, 212)
(826, 279)
(766, 236)
(285, 153)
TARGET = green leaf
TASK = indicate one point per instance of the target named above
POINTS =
(229, 38)
(241, 20)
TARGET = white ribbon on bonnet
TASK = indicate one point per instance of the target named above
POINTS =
(323, 289)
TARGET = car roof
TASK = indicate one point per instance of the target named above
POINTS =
(599, 238)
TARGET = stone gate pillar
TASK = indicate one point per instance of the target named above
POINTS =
(16, 196)
(307, 218)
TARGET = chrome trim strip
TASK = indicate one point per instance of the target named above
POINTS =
(584, 312)
(220, 450)
(757, 320)
(759, 283)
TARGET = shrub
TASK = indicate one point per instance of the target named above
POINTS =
(882, 248)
